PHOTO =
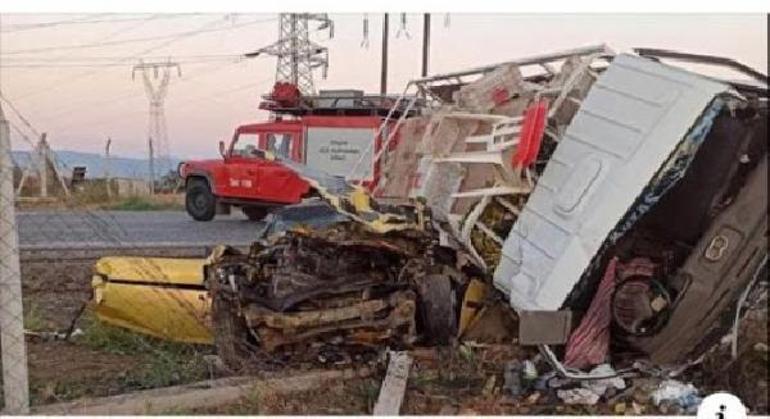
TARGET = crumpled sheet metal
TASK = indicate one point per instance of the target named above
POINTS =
(355, 202)
(363, 320)
(161, 297)
(633, 117)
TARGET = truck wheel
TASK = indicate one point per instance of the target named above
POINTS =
(437, 308)
(200, 203)
(255, 213)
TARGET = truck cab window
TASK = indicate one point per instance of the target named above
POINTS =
(279, 144)
(246, 146)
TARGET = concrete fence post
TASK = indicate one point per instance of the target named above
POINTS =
(12, 344)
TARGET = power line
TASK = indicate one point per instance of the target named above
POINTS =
(60, 81)
(20, 116)
(137, 40)
(21, 27)
(181, 60)
(89, 74)
(71, 58)
(22, 134)
(122, 98)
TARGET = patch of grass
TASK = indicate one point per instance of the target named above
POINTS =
(249, 405)
(367, 391)
(167, 363)
(33, 319)
(137, 203)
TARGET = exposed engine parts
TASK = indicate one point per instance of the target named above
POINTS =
(306, 291)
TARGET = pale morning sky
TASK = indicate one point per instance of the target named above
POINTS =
(80, 107)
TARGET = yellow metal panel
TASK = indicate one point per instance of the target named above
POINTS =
(472, 303)
(156, 270)
(161, 310)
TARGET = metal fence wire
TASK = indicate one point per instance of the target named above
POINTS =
(55, 349)
(14, 354)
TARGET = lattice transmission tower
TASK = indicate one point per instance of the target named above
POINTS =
(157, 77)
(297, 55)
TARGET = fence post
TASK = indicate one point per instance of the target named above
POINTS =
(14, 351)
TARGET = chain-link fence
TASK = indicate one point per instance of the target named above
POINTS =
(99, 296)
(14, 354)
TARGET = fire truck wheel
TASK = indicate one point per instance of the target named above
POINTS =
(255, 213)
(200, 203)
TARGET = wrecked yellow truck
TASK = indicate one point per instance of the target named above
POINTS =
(616, 203)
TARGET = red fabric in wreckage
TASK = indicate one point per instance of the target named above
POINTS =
(589, 343)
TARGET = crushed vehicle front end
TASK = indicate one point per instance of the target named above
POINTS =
(332, 295)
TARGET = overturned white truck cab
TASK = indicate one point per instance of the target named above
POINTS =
(649, 220)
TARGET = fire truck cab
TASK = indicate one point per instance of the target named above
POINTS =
(329, 132)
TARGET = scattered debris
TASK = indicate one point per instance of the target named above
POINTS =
(46, 336)
(601, 386)
(512, 376)
(394, 385)
(684, 395)
(578, 395)
(544, 327)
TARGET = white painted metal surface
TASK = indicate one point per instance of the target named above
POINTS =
(337, 150)
(632, 119)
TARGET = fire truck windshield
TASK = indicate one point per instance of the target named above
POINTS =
(245, 145)
(248, 145)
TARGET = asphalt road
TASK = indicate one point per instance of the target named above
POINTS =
(88, 229)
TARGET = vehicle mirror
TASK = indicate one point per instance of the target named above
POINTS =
(222, 148)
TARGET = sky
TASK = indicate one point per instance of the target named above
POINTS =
(80, 107)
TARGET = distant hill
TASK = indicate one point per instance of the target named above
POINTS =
(123, 167)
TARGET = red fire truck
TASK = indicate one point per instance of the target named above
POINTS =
(329, 132)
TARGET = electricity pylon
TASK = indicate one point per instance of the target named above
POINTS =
(156, 88)
(297, 55)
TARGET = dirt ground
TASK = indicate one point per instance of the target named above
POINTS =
(457, 381)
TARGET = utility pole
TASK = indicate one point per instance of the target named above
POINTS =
(43, 168)
(425, 43)
(107, 167)
(157, 135)
(41, 157)
(152, 165)
(384, 69)
(12, 344)
(297, 55)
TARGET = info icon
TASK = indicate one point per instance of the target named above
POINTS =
(721, 406)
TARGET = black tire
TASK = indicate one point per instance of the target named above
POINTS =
(437, 309)
(200, 202)
(255, 213)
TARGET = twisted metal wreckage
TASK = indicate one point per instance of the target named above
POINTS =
(616, 202)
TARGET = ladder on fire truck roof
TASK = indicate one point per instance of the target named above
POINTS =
(341, 103)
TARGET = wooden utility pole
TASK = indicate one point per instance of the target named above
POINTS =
(384, 71)
(425, 43)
